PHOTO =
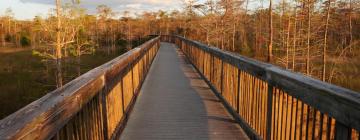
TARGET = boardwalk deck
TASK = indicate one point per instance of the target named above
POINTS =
(175, 103)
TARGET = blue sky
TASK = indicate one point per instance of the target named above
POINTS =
(27, 9)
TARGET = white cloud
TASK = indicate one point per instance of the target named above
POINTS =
(24, 10)
(155, 4)
(135, 6)
(117, 5)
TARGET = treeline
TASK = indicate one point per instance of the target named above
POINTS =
(317, 38)
(79, 33)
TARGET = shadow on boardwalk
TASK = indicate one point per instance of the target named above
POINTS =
(176, 103)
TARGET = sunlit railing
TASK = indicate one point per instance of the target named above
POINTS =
(93, 106)
(267, 101)
(273, 103)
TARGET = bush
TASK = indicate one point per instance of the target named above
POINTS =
(8, 38)
(121, 42)
(25, 41)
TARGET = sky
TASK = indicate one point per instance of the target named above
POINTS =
(27, 9)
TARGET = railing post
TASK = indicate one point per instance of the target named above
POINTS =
(238, 93)
(211, 77)
(221, 77)
(203, 56)
(122, 95)
(342, 132)
(269, 112)
(132, 79)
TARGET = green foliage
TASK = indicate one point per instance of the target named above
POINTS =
(246, 50)
(43, 55)
(121, 42)
(76, 1)
(84, 49)
(9, 38)
(73, 50)
(25, 40)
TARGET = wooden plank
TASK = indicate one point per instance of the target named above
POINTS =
(342, 132)
(339, 103)
(104, 114)
(269, 112)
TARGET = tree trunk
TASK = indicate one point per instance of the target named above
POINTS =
(233, 37)
(243, 34)
(270, 55)
(59, 77)
(59, 81)
(78, 67)
(260, 37)
(287, 43)
(160, 28)
(167, 28)
(2, 35)
(129, 36)
(15, 34)
(207, 37)
(112, 32)
(58, 38)
(294, 40)
(325, 40)
(222, 34)
(282, 24)
(350, 23)
(217, 34)
(9, 25)
(308, 38)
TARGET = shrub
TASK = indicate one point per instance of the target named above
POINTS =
(8, 38)
(25, 40)
(121, 42)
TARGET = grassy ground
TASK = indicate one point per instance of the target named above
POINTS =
(25, 78)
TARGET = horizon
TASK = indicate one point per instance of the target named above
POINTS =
(20, 8)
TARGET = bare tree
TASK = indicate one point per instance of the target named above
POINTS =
(58, 31)
(350, 22)
(294, 38)
(270, 54)
(328, 5)
(288, 42)
(2, 31)
(309, 5)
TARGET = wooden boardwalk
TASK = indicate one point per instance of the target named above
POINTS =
(176, 103)
(268, 102)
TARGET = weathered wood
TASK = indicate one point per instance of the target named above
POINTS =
(104, 113)
(342, 132)
(296, 97)
(269, 112)
(184, 108)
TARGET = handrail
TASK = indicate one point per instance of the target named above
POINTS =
(271, 102)
(92, 106)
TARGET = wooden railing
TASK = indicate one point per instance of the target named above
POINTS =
(93, 106)
(273, 103)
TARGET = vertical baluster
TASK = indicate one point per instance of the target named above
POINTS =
(269, 111)
(342, 132)
(104, 112)
(238, 92)
(291, 121)
(221, 76)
